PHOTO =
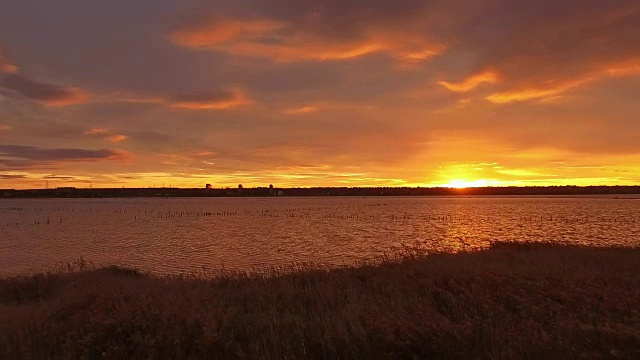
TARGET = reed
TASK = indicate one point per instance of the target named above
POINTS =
(512, 301)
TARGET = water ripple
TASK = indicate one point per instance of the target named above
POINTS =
(188, 235)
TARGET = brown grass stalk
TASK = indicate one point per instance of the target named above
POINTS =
(527, 301)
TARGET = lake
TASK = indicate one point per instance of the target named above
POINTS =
(172, 236)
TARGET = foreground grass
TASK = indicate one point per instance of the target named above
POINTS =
(511, 301)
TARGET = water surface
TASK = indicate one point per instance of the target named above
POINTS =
(192, 235)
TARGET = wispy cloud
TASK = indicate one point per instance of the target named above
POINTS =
(308, 32)
(97, 131)
(547, 55)
(486, 77)
(12, 176)
(116, 138)
(48, 94)
(218, 100)
(225, 99)
(302, 110)
(105, 134)
(5, 65)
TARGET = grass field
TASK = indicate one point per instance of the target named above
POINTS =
(529, 301)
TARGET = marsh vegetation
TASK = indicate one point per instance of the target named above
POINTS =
(526, 301)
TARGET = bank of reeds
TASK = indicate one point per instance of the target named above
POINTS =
(509, 302)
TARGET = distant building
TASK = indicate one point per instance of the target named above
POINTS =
(240, 186)
(208, 186)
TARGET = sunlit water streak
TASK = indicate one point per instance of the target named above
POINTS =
(190, 235)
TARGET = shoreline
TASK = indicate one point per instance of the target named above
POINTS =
(510, 301)
(72, 192)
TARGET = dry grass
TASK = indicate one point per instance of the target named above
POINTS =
(509, 302)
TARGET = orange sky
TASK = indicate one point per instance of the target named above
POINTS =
(319, 93)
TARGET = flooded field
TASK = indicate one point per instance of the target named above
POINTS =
(201, 235)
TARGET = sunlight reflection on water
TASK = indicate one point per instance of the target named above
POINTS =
(185, 235)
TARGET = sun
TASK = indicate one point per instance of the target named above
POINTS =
(463, 184)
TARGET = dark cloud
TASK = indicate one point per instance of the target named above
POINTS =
(53, 95)
(11, 176)
(40, 154)
(58, 177)
(22, 157)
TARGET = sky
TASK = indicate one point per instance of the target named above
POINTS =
(181, 93)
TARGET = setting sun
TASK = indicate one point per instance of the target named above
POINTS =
(461, 184)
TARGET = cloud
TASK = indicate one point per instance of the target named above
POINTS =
(218, 100)
(48, 94)
(471, 82)
(105, 134)
(339, 66)
(21, 157)
(326, 105)
(97, 131)
(205, 153)
(116, 138)
(548, 93)
(310, 31)
(540, 54)
(223, 30)
(204, 100)
(58, 177)
(302, 110)
(525, 51)
(5, 65)
(11, 176)
(5, 127)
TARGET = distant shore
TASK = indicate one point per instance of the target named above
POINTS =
(527, 301)
(71, 192)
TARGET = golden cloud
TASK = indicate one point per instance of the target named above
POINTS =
(116, 138)
(286, 41)
(105, 134)
(546, 56)
(608, 70)
(487, 77)
(302, 110)
(219, 100)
